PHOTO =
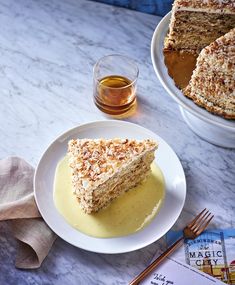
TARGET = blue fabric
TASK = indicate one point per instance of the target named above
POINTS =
(157, 7)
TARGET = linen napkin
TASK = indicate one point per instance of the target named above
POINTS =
(17, 205)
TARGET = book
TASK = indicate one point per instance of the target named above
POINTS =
(173, 272)
(213, 252)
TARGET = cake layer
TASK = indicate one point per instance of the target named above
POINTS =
(191, 30)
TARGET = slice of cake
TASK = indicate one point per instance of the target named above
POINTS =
(196, 23)
(212, 84)
(104, 169)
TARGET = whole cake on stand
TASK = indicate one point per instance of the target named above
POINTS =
(197, 40)
(207, 28)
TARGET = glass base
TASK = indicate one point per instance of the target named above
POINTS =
(117, 112)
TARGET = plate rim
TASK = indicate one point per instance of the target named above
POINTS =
(85, 125)
(162, 24)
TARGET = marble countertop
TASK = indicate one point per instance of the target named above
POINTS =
(47, 52)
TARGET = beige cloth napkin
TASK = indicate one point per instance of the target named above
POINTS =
(17, 205)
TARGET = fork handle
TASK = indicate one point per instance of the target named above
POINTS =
(156, 262)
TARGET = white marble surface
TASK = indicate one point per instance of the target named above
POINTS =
(47, 51)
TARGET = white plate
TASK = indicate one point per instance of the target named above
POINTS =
(157, 45)
(165, 158)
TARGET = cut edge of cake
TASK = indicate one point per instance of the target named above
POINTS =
(195, 24)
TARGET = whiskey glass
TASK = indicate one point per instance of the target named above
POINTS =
(114, 84)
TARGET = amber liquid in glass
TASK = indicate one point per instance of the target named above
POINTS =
(114, 94)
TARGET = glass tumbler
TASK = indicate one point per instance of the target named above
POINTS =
(114, 78)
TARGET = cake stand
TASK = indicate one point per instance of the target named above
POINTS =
(209, 127)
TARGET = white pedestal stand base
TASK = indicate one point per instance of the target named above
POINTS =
(212, 133)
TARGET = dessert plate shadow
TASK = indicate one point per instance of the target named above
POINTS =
(175, 188)
(210, 127)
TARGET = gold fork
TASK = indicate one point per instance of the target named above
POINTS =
(191, 231)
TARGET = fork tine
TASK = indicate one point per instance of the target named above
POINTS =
(200, 220)
(199, 224)
(203, 227)
(195, 219)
